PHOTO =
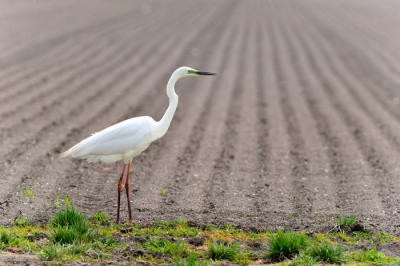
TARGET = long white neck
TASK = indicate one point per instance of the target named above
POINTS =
(163, 124)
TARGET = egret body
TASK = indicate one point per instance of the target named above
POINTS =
(125, 140)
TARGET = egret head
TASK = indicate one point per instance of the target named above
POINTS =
(188, 72)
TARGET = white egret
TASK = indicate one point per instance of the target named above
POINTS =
(125, 140)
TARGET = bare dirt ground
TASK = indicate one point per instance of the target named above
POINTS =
(304, 118)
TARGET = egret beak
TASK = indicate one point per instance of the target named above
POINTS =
(206, 73)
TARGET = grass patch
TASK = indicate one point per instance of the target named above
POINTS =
(70, 236)
(286, 245)
(371, 257)
(81, 233)
(223, 251)
(7, 240)
(68, 217)
(51, 253)
(70, 226)
(228, 251)
(327, 252)
(164, 246)
(178, 228)
(381, 237)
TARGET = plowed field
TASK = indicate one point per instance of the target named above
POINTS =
(303, 121)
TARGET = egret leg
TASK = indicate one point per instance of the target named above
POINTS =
(119, 192)
(127, 192)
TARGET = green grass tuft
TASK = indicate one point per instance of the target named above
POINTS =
(66, 200)
(382, 238)
(327, 252)
(164, 246)
(342, 222)
(68, 217)
(230, 227)
(371, 257)
(166, 225)
(81, 233)
(5, 238)
(51, 253)
(359, 236)
(286, 245)
(70, 226)
(223, 251)
(181, 222)
(28, 194)
(105, 241)
(57, 203)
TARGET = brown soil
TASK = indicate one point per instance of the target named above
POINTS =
(304, 118)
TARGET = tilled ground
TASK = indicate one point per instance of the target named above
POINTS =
(303, 121)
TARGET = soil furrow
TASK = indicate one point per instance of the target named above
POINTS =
(98, 60)
(11, 76)
(378, 152)
(239, 194)
(58, 55)
(260, 183)
(320, 192)
(215, 195)
(332, 173)
(384, 119)
(346, 161)
(86, 41)
(278, 189)
(82, 39)
(370, 35)
(301, 195)
(367, 68)
(25, 54)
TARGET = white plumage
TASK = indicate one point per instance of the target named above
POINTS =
(122, 141)
(125, 140)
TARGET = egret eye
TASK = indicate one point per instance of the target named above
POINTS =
(191, 71)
